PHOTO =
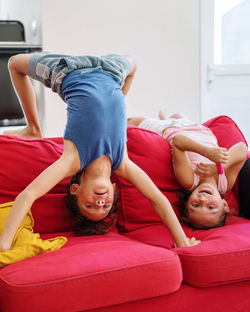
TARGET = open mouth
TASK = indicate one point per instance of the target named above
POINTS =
(206, 191)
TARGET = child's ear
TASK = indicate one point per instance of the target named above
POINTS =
(114, 186)
(73, 188)
(226, 207)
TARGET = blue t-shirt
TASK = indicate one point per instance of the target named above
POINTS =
(96, 116)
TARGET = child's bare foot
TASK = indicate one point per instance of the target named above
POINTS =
(26, 132)
(217, 154)
(161, 115)
(177, 116)
(135, 121)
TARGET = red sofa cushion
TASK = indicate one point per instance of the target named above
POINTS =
(226, 131)
(228, 134)
(213, 261)
(152, 153)
(88, 273)
(222, 257)
(21, 161)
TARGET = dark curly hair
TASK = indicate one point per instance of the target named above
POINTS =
(182, 206)
(84, 226)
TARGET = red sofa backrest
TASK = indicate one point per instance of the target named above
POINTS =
(21, 160)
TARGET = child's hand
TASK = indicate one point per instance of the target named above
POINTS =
(192, 242)
(4, 246)
(206, 170)
(217, 154)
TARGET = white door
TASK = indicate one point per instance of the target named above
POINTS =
(225, 61)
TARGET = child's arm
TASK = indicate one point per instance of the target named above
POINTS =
(237, 158)
(182, 164)
(216, 154)
(132, 173)
(180, 145)
(130, 76)
(65, 166)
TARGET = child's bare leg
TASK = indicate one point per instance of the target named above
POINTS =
(135, 121)
(18, 67)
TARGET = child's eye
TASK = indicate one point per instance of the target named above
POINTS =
(195, 205)
(211, 207)
(107, 206)
(88, 206)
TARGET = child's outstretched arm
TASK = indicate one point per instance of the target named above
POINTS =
(64, 167)
(132, 173)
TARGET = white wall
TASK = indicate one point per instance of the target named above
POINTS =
(162, 35)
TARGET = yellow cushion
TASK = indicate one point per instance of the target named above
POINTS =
(25, 243)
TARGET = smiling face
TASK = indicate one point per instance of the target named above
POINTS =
(205, 206)
(94, 197)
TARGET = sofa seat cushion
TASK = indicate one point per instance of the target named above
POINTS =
(222, 257)
(87, 273)
(234, 297)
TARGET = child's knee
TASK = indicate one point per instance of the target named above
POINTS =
(19, 63)
(11, 63)
(13, 60)
(177, 139)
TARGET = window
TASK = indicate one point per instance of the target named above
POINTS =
(225, 61)
(231, 32)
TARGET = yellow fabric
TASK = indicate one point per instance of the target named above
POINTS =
(25, 243)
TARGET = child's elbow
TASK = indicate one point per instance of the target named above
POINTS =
(132, 64)
(243, 150)
(177, 140)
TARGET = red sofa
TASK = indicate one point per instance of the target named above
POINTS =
(135, 267)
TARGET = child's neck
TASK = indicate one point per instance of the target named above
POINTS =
(99, 167)
(211, 180)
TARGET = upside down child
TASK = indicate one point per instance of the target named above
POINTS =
(201, 167)
(94, 138)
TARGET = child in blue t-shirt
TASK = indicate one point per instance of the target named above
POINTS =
(94, 139)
